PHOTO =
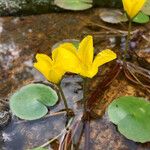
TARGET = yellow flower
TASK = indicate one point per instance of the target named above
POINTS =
(66, 58)
(132, 7)
(61, 62)
(83, 57)
(46, 66)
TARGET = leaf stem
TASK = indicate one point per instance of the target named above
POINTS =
(63, 97)
(69, 112)
(128, 39)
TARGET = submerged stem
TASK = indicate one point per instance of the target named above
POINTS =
(63, 97)
(128, 39)
(69, 112)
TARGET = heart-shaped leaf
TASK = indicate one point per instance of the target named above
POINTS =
(74, 4)
(30, 101)
(132, 116)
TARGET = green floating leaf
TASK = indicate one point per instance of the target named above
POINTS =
(141, 18)
(146, 8)
(74, 4)
(135, 128)
(113, 16)
(132, 116)
(31, 100)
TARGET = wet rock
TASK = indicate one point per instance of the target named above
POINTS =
(13, 7)
(5, 115)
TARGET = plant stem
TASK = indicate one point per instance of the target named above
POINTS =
(84, 94)
(64, 99)
(128, 39)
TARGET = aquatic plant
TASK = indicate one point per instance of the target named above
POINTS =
(66, 58)
(80, 60)
(130, 113)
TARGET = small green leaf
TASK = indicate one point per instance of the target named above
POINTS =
(74, 4)
(30, 101)
(141, 18)
(146, 8)
(132, 116)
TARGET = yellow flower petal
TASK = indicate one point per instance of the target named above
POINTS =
(69, 46)
(55, 75)
(104, 57)
(46, 66)
(89, 72)
(86, 50)
(67, 59)
(137, 7)
(43, 57)
(43, 64)
(132, 7)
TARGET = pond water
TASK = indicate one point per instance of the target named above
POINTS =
(23, 37)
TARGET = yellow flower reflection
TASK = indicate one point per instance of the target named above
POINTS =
(83, 57)
(132, 7)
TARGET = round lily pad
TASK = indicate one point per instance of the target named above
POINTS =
(141, 18)
(132, 116)
(30, 101)
(74, 4)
